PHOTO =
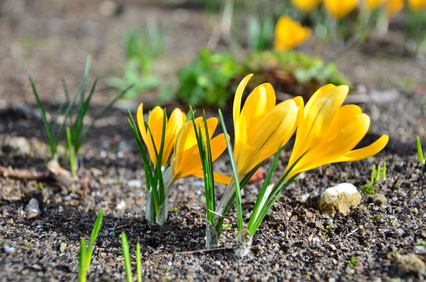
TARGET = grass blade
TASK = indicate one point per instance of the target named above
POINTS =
(420, 150)
(126, 256)
(102, 112)
(235, 173)
(47, 126)
(72, 156)
(138, 262)
(82, 110)
(81, 261)
(93, 237)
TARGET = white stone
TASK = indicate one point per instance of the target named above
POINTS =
(134, 183)
(339, 199)
(32, 208)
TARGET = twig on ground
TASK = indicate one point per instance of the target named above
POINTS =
(24, 174)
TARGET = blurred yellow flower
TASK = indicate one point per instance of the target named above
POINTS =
(155, 131)
(340, 8)
(328, 132)
(417, 5)
(186, 160)
(261, 127)
(305, 5)
(289, 33)
(372, 5)
(393, 7)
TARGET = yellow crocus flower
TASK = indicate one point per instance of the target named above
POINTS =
(186, 160)
(417, 5)
(155, 122)
(393, 7)
(261, 127)
(305, 5)
(328, 132)
(340, 8)
(289, 33)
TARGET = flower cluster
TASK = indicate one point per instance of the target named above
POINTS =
(172, 154)
(326, 132)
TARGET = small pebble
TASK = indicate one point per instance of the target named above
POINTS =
(20, 144)
(377, 199)
(134, 183)
(62, 246)
(9, 250)
(339, 199)
(32, 208)
(60, 209)
(399, 231)
(420, 250)
(409, 263)
(121, 205)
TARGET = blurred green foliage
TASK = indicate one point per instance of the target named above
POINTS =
(208, 79)
(143, 47)
(205, 81)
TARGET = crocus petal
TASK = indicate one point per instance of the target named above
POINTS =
(152, 135)
(365, 152)
(319, 114)
(186, 160)
(328, 132)
(143, 131)
(218, 177)
(191, 162)
(305, 5)
(155, 121)
(177, 119)
(289, 33)
(261, 127)
(340, 9)
(336, 144)
(270, 133)
(237, 104)
(260, 101)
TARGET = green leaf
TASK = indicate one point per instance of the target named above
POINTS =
(126, 256)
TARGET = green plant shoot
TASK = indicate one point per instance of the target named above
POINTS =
(203, 142)
(156, 194)
(420, 150)
(126, 256)
(85, 256)
(75, 133)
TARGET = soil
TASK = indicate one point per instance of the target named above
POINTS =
(295, 242)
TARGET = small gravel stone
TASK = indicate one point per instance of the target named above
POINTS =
(339, 199)
(20, 144)
(9, 250)
(378, 199)
(409, 263)
(32, 208)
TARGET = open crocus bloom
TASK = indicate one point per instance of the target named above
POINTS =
(261, 127)
(340, 9)
(186, 157)
(155, 131)
(289, 33)
(328, 132)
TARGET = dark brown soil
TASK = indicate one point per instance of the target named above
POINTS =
(295, 242)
